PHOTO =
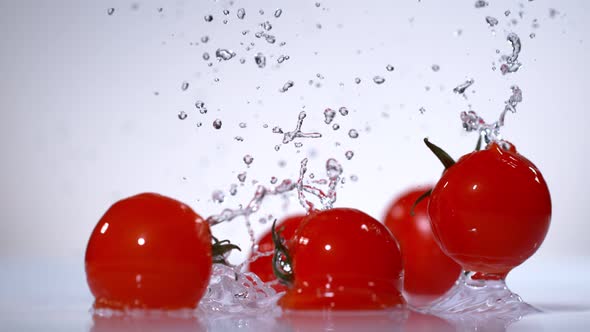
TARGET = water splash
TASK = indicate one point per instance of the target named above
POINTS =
(511, 63)
(289, 136)
(491, 132)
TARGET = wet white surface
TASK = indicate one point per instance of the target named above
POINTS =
(51, 295)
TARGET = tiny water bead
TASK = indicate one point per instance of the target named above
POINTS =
(182, 115)
(233, 189)
(266, 25)
(204, 39)
(335, 126)
(422, 110)
(343, 111)
(287, 86)
(435, 68)
(217, 124)
(241, 13)
(278, 13)
(357, 80)
(329, 115)
(353, 133)
(242, 125)
(260, 60)
(378, 80)
(206, 56)
(242, 177)
(481, 4)
(248, 159)
(492, 21)
(224, 54)
(218, 196)
(184, 86)
(349, 154)
(389, 68)
(208, 18)
(110, 11)
(225, 12)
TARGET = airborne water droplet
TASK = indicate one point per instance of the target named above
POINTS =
(481, 4)
(329, 115)
(225, 12)
(204, 39)
(242, 125)
(349, 154)
(435, 68)
(335, 126)
(389, 68)
(205, 56)
(266, 25)
(378, 80)
(357, 80)
(217, 124)
(182, 115)
(223, 54)
(208, 18)
(343, 111)
(111, 11)
(422, 110)
(248, 159)
(233, 189)
(353, 133)
(218, 196)
(242, 177)
(460, 89)
(492, 21)
(278, 12)
(241, 13)
(260, 60)
(287, 86)
(184, 86)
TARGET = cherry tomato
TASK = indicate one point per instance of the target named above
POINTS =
(428, 272)
(149, 251)
(490, 211)
(262, 266)
(343, 259)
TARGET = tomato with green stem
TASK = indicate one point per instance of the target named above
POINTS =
(490, 211)
(340, 259)
(262, 266)
(152, 252)
(428, 272)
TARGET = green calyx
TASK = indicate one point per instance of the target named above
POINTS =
(219, 249)
(418, 200)
(281, 260)
(444, 157)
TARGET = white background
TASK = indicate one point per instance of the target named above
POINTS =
(81, 126)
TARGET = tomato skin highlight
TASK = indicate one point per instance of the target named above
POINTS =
(149, 251)
(343, 259)
(262, 266)
(490, 211)
(428, 272)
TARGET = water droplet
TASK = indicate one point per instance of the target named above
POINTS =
(389, 68)
(298, 144)
(378, 80)
(507, 13)
(266, 25)
(282, 58)
(333, 168)
(260, 60)
(225, 12)
(217, 124)
(343, 111)
(278, 12)
(248, 159)
(223, 54)
(357, 80)
(492, 21)
(335, 126)
(511, 62)
(422, 110)
(349, 154)
(233, 189)
(241, 13)
(287, 86)
(184, 86)
(111, 11)
(242, 125)
(329, 115)
(218, 196)
(277, 147)
(242, 177)
(239, 138)
(205, 56)
(481, 4)
(270, 39)
(208, 18)
(353, 133)
(277, 130)
(261, 12)
(460, 89)
(354, 178)
(532, 35)
(273, 180)
(182, 115)
(199, 124)
(553, 12)
(317, 4)
(435, 68)
(204, 39)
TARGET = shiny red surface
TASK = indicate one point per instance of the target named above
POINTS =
(262, 266)
(149, 251)
(343, 259)
(428, 272)
(491, 210)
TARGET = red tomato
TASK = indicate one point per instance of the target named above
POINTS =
(428, 272)
(490, 211)
(149, 251)
(263, 265)
(343, 259)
